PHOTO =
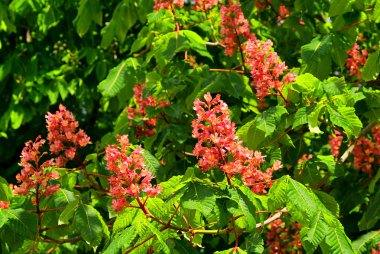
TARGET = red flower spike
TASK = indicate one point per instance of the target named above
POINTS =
(64, 136)
(282, 239)
(33, 174)
(130, 175)
(335, 142)
(219, 147)
(266, 67)
(165, 4)
(149, 124)
(4, 204)
(356, 60)
(233, 25)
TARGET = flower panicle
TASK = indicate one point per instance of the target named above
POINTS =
(130, 176)
(219, 147)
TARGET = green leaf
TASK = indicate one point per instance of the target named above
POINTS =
(371, 68)
(269, 119)
(376, 12)
(171, 186)
(364, 243)
(313, 118)
(196, 42)
(68, 212)
(317, 56)
(162, 247)
(338, 7)
(313, 234)
(300, 117)
(88, 11)
(90, 224)
(336, 240)
(245, 205)
(5, 190)
(122, 241)
(125, 74)
(64, 197)
(125, 219)
(22, 222)
(151, 162)
(372, 215)
(346, 118)
(200, 197)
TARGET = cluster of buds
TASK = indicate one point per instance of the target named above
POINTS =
(219, 147)
(35, 176)
(130, 175)
(233, 25)
(282, 239)
(204, 5)
(266, 67)
(64, 136)
(140, 111)
(356, 60)
(335, 141)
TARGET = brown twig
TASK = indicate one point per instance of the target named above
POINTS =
(272, 218)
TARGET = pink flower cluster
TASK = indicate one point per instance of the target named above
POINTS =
(140, 112)
(356, 60)
(63, 136)
(4, 204)
(34, 177)
(266, 67)
(233, 25)
(167, 4)
(204, 5)
(219, 147)
(283, 239)
(130, 175)
(335, 142)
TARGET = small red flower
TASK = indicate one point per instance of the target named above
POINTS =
(335, 142)
(356, 60)
(4, 204)
(283, 239)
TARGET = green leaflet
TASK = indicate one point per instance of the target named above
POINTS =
(338, 7)
(90, 224)
(88, 11)
(21, 222)
(68, 212)
(5, 190)
(371, 68)
(125, 74)
(365, 242)
(269, 119)
(245, 206)
(346, 118)
(122, 241)
(372, 214)
(313, 234)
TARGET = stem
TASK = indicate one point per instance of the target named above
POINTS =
(143, 207)
(228, 70)
(283, 97)
(272, 218)
(60, 241)
(351, 25)
(47, 210)
(241, 51)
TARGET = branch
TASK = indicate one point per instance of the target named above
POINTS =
(60, 241)
(273, 218)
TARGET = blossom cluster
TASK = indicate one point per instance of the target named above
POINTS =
(266, 67)
(366, 151)
(282, 239)
(219, 147)
(140, 111)
(335, 141)
(37, 172)
(4, 204)
(356, 60)
(233, 25)
(35, 176)
(167, 4)
(130, 175)
(64, 136)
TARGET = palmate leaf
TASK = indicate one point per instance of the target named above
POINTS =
(90, 224)
(122, 241)
(125, 74)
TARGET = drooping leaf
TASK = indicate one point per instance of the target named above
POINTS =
(88, 11)
(314, 234)
(122, 241)
(365, 242)
(68, 212)
(346, 118)
(371, 68)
